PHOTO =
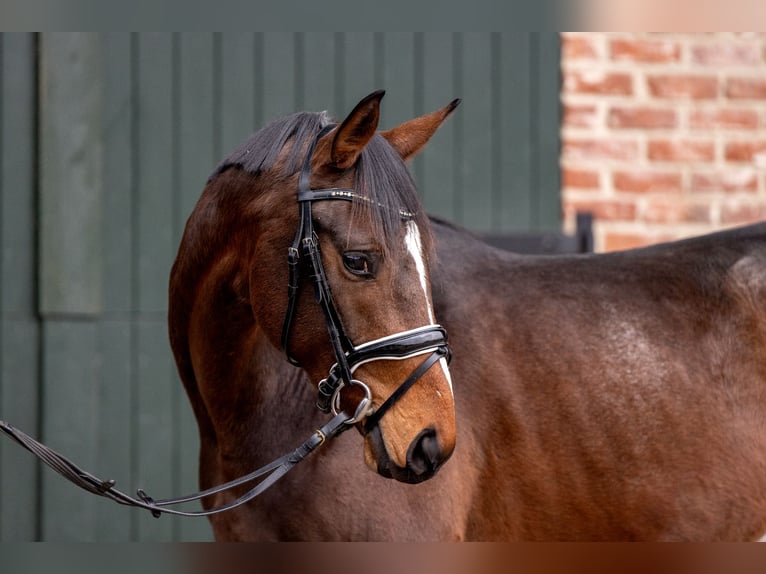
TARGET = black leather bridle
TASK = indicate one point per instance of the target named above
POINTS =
(429, 340)
(305, 253)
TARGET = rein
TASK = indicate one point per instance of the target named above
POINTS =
(304, 251)
(106, 488)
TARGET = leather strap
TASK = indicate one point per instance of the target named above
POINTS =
(106, 488)
(375, 417)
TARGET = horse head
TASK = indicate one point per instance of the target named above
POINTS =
(359, 303)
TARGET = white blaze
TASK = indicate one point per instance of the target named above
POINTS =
(415, 247)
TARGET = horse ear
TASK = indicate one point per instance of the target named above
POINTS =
(355, 131)
(409, 137)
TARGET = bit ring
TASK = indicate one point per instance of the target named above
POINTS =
(363, 408)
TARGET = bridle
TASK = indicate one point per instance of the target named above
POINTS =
(304, 252)
(428, 340)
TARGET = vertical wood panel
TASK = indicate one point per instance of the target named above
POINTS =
(155, 170)
(359, 68)
(113, 436)
(118, 174)
(154, 425)
(548, 114)
(320, 75)
(198, 114)
(69, 424)
(19, 332)
(278, 72)
(397, 77)
(71, 173)
(478, 123)
(154, 395)
(238, 84)
(115, 392)
(438, 176)
(395, 72)
(514, 141)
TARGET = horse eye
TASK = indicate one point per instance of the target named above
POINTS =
(358, 263)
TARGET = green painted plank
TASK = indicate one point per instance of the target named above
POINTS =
(70, 371)
(71, 173)
(19, 481)
(359, 77)
(476, 191)
(118, 205)
(396, 71)
(238, 90)
(320, 76)
(154, 425)
(189, 530)
(279, 75)
(548, 192)
(154, 147)
(438, 177)
(19, 472)
(397, 76)
(515, 121)
(17, 178)
(113, 441)
(197, 117)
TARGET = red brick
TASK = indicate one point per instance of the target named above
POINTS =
(642, 118)
(741, 213)
(681, 150)
(579, 178)
(599, 149)
(598, 82)
(747, 151)
(678, 86)
(644, 181)
(661, 210)
(726, 54)
(603, 210)
(576, 116)
(744, 179)
(575, 47)
(722, 118)
(651, 51)
(746, 88)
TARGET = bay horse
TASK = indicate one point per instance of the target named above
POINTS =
(615, 396)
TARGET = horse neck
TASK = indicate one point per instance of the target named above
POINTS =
(237, 381)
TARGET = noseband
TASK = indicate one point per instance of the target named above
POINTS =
(304, 252)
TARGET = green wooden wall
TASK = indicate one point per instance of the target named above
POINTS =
(106, 141)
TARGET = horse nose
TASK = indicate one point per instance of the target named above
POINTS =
(425, 456)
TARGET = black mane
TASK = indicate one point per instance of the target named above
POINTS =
(381, 176)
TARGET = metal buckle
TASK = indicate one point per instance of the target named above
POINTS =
(364, 407)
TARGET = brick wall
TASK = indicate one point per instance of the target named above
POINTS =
(663, 135)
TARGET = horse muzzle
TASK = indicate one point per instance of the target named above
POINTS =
(425, 456)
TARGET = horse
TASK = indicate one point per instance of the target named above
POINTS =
(617, 396)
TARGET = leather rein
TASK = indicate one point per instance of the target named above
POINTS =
(428, 340)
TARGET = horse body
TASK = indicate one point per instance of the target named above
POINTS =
(622, 396)
(596, 397)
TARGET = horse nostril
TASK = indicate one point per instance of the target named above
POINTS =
(424, 455)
